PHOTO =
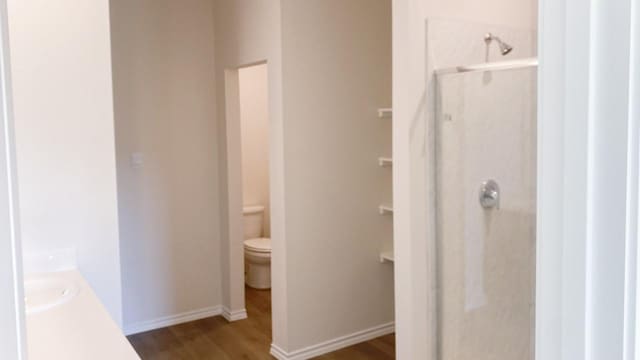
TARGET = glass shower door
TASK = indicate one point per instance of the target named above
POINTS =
(485, 200)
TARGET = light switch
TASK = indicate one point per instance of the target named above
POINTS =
(137, 160)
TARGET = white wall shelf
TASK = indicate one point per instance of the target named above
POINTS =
(387, 256)
(385, 113)
(385, 209)
(385, 161)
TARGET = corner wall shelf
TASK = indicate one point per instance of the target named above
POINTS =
(385, 113)
(385, 161)
(385, 209)
(387, 256)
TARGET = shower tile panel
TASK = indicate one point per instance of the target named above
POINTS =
(484, 128)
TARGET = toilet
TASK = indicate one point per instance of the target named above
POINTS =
(257, 249)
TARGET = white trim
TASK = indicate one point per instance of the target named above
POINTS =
(333, 344)
(234, 315)
(489, 66)
(633, 316)
(12, 318)
(278, 353)
(231, 191)
(587, 186)
(563, 142)
(171, 320)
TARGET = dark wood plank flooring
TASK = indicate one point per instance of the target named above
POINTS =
(215, 338)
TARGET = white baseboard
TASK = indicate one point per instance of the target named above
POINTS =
(334, 344)
(234, 315)
(278, 353)
(172, 320)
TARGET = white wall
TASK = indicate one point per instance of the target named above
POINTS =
(61, 59)
(413, 189)
(163, 56)
(254, 123)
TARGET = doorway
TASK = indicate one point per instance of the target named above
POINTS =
(248, 158)
(254, 149)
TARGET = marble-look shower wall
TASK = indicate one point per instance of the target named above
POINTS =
(483, 127)
(454, 43)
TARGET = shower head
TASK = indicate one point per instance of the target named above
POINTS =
(504, 47)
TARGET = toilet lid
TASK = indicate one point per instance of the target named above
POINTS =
(258, 245)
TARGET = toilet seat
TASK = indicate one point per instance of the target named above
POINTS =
(259, 245)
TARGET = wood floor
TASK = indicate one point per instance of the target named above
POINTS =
(215, 338)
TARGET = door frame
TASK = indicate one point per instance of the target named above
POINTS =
(12, 316)
(588, 159)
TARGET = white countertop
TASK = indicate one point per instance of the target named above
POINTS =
(80, 329)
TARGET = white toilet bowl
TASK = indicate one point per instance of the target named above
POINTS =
(257, 262)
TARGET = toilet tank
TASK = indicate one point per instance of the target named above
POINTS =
(253, 221)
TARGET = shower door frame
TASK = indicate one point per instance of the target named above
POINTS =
(588, 160)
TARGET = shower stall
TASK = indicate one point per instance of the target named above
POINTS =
(485, 194)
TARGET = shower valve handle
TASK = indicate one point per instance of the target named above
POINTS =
(490, 195)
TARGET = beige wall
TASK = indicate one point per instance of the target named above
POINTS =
(60, 53)
(336, 73)
(413, 188)
(324, 175)
(254, 121)
(164, 102)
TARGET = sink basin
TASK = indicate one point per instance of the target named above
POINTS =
(44, 293)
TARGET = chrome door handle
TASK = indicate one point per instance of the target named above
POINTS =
(490, 195)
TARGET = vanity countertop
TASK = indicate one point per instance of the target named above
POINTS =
(80, 329)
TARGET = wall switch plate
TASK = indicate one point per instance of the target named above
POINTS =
(137, 160)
